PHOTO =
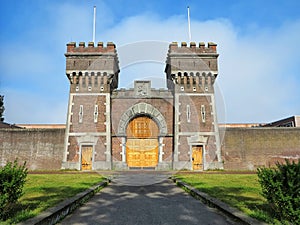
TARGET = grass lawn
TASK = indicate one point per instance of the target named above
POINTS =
(238, 190)
(42, 191)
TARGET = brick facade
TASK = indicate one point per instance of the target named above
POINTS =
(99, 113)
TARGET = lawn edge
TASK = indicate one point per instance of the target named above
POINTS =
(216, 203)
(55, 214)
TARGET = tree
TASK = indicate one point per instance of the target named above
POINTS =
(1, 108)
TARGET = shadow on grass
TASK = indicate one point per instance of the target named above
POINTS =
(29, 207)
(240, 197)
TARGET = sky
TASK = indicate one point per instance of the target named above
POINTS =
(258, 46)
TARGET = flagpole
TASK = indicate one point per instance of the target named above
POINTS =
(94, 25)
(189, 23)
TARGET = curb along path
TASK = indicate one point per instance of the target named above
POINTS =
(55, 214)
(145, 198)
(213, 202)
(140, 197)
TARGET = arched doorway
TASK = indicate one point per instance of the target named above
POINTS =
(142, 143)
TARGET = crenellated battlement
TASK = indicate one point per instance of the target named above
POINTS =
(193, 48)
(100, 48)
(192, 68)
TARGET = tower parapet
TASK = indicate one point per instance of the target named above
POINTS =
(194, 68)
(100, 48)
(184, 48)
(92, 68)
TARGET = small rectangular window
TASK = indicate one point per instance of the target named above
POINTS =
(203, 113)
(80, 113)
(96, 114)
(188, 113)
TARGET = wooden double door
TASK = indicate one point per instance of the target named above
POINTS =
(142, 152)
(142, 143)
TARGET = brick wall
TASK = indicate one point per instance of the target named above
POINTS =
(88, 124)
(42, 149)
(195, 103)
(249, 148)
(242, 148)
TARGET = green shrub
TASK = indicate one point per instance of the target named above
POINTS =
(281, 187)
(12, 179)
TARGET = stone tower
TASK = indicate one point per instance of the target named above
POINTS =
(93, 75)
(191, 72)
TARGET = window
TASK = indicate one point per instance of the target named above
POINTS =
(188, 113)
(96, 113)
(80, 113)
(203, 113)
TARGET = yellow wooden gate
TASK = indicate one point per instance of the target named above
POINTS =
(142, 143)
(142, 152)
(86, 157)
(197, 157)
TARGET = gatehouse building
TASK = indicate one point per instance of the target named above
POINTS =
(142, 127)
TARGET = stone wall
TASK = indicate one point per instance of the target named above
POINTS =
(249, 148)
(242, 148)
(42, 149)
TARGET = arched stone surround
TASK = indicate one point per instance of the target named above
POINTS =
(142, 109)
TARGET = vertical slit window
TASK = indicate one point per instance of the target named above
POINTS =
(96, 114)
(188, 113)
(80, 113)
(203, 113)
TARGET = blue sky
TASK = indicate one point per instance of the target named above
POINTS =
(258, 43)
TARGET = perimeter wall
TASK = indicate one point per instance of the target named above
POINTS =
(249, 148)
(42, 149)
(242, 148)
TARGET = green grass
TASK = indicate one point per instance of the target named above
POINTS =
(238, 190)
(42, 191)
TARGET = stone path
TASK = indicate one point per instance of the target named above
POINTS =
(144, 198)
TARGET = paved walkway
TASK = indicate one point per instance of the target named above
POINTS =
(144, 198)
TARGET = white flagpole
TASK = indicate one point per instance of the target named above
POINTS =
(94, 25)
(189, 24)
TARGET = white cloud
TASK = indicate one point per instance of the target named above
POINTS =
(255, 70)
(258, 71)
